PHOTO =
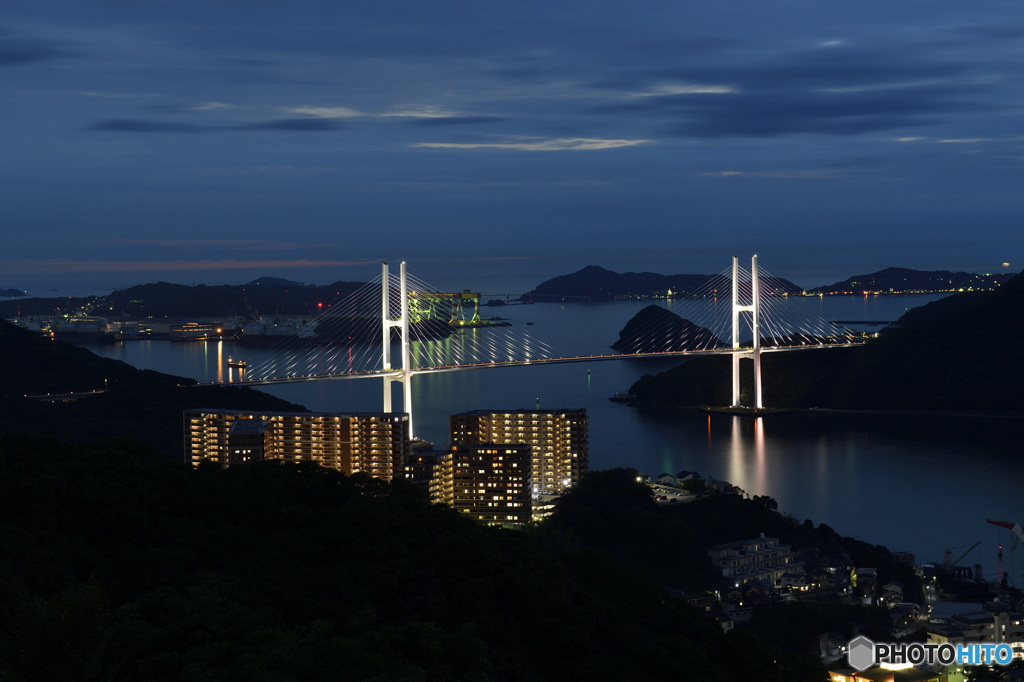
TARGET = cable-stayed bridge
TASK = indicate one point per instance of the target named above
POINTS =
(398, 326)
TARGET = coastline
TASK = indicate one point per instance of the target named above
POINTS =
(764, 412)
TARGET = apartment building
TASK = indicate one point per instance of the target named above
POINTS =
(376, 444)
(558, 441)
(490, 482)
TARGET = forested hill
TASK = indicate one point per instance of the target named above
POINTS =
(140, 403)
(265, 296)
(898, 280)
(118, 565)
(657, 330)
(596, 283)
(959, 353)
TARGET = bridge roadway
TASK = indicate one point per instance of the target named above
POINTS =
(378, 373)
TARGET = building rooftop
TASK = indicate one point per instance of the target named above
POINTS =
(945, 610)
(743, 543)
(247, 427)
(275, 413)
(481, 413)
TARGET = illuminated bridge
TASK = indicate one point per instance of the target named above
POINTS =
(356, 338)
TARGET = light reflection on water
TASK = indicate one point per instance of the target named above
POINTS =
(919, 484)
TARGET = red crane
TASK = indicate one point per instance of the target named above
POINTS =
(1018, 531)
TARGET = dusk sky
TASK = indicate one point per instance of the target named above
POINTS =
(494, 145)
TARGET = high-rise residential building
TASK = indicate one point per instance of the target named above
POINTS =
(557, 438)
(420, 466)
(376, 444)
(489, 482)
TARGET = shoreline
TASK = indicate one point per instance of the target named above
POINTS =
(764, 412)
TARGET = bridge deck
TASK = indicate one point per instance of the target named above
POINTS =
(374, 374)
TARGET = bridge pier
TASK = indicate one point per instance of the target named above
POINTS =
(755, 353)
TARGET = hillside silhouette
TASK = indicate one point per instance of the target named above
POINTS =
(959, 353)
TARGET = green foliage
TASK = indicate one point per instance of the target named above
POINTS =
(795, 625)
(121, 565)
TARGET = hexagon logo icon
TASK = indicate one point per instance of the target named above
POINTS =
(861, 653)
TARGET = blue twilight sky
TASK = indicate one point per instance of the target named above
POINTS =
(496, 144)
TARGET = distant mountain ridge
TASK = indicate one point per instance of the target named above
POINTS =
(898, 280)
(13, 293)
(276, 281)
(163, 299)
(596, 283)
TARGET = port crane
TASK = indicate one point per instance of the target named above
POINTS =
(948, 559)
(1019, 532)
(1015, 527)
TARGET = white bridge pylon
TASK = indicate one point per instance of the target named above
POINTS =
(405, 375)
(755, 352)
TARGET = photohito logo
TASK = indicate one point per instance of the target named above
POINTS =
(863, 653)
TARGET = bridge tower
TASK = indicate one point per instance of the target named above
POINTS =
(755, 353)
(405, 378)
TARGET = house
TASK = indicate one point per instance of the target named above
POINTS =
(892, 592)
(793, 580)
(876, 674)
(725, 622)
(716, 484)
(684, 476)
(739, 613)
(831, 643)
(701, 602)
(666, 479)
(901, 618)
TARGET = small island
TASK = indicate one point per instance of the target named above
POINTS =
(673, 333)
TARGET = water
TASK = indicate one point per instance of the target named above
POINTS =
(915, 483)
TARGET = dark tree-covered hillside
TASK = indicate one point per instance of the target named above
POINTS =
(117, 564)
(960, 353)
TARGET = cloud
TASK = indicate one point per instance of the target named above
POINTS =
(839, 90)
(539, 145)
(238, 244)
(787, 174)
(63, 266)
(965, 140)
(421, 112)
(212, 106)
(688, 90)
(19, 51)
(455, 120)
(325, 112)
(992, 32)
(294, 124)
(133, 125)
(429, 116)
